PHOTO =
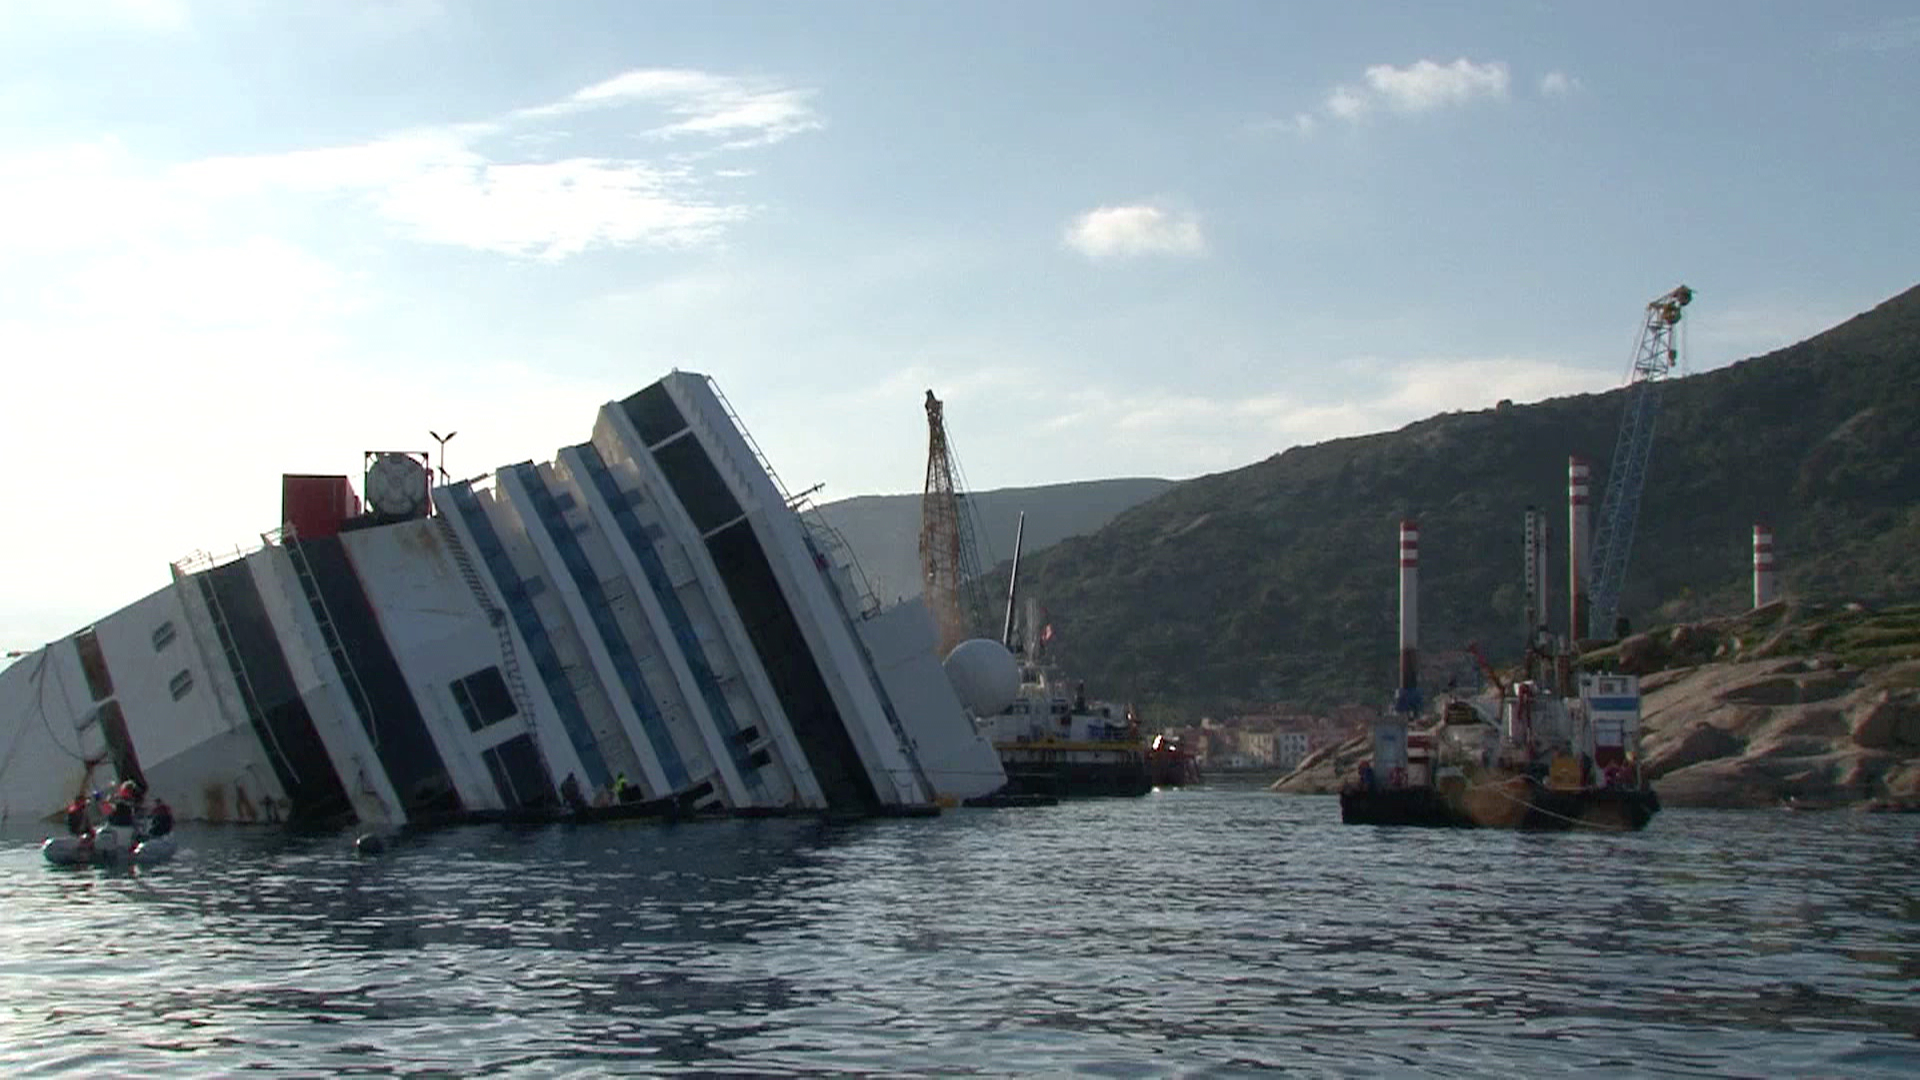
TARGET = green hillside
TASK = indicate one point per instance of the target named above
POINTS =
(1277, 582)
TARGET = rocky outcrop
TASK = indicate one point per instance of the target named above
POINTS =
(1326, 769)
(1701, 741)
(1793, 705)
(1890, 722)
(1806, 731)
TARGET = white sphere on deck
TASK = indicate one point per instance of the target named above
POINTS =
(984, 674)
(397, 486)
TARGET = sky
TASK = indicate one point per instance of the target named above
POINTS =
(239, 239)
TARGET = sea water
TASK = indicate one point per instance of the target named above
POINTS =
(1207, 931)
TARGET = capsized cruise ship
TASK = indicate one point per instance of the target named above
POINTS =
(648, 605)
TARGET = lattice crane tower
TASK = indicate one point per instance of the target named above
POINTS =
(1656, 356)
(949, 566)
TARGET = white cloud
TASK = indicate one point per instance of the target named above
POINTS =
(1346, 104)
(1424, 85)
(1421, 87)
(1192, 433)
(1557, 84)
(509, 185)
(168, 336)
(1423, 388)
(1122, 231)
(494, 186)
(191, 426)
(1301, 123)
(255, 282)
(751, 112)
(1078, 425)
(87, 194)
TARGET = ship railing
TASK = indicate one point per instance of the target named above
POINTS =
(830, 543)
(484, 484)
(309, 590)
(747, 437)
(199, 562)
(821, 536)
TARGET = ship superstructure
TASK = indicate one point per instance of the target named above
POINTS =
(647, 607)
(1053, 741)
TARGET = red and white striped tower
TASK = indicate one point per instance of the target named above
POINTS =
(1390, 730)
(1766, 582)
(1579, 570)
(1409, 612)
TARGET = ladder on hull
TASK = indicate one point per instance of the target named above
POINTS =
(249, 699)
(323, 617)
(502, 628)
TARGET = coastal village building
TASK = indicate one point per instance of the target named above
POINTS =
(1267, 740)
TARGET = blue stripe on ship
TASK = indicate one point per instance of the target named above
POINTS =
(670, 605)
(1614, 704)
(600, 610)
(546, 662)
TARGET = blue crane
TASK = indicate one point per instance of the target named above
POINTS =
(1656, 355)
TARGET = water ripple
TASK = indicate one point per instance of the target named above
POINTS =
(1203, 932)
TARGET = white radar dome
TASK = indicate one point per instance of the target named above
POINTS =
(984, 674)
(397, 486)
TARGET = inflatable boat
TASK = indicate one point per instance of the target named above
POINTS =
(109, 845)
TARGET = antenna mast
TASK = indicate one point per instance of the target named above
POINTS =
(1013, 581)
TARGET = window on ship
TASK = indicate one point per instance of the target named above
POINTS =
(483, 698)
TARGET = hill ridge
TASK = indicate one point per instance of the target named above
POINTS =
(1272, 582)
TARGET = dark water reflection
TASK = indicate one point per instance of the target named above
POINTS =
(1199, 932)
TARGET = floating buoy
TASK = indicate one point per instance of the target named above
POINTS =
(370, 844)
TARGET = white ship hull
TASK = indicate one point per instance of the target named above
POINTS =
(647, 605)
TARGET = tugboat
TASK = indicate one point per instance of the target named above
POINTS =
(1052, 742)
(1170, 764)
(1532, 756)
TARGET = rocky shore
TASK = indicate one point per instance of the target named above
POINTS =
(1802, 706)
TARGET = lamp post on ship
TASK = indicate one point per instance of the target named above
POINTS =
(443, 440)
